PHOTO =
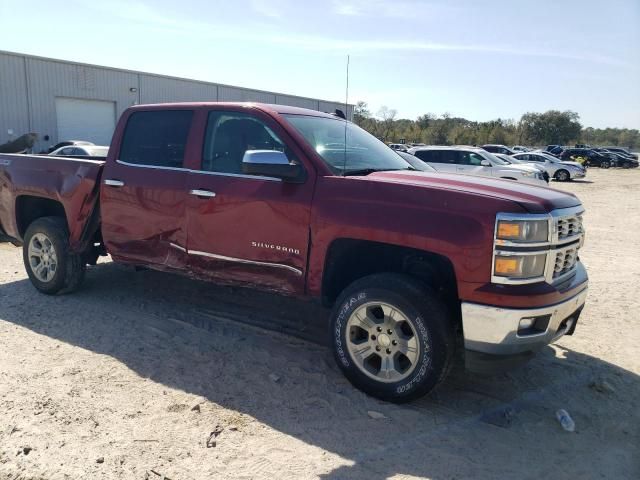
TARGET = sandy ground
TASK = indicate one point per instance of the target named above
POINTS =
(129, 377)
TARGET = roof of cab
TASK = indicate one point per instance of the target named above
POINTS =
(271, 108)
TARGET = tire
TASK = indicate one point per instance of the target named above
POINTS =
(626, 165)
(63, 271)
(562, 175)
(421, 323)
(605, 164)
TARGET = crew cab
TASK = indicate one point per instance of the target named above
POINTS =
(303, 203)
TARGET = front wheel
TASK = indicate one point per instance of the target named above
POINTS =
(605, 165)
(51, 267)
(563, 176)
(392, 337)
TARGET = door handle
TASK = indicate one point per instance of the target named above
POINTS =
(114, 183)
(202, 193)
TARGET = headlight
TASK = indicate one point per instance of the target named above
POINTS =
(528, 174)
(518, 266)
(522, 231)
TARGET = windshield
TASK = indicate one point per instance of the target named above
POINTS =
(363, 151)
(492, 158)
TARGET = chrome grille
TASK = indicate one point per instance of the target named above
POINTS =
(565, 261)
(569, 227)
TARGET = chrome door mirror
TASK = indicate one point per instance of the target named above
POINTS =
(271, 163)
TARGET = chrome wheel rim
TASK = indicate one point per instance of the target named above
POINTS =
(383, 342)
(43, 259)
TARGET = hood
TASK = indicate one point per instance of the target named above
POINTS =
(532, 198)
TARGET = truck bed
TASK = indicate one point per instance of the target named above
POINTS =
(29, 182)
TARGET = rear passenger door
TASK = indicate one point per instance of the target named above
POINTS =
(144, 190)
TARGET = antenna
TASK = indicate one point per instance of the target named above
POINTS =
(346, 110)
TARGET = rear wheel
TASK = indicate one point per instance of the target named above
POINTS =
(392, 337)
(51, 267)
(562, 176)
(605, 164)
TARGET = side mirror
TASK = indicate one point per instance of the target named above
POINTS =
(270, 163)
(485, 163)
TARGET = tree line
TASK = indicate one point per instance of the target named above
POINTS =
(549, 128)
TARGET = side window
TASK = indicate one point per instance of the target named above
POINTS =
(157, 138)
(229, 135)
(78, 151)
(475, 159)
(448, 156)
(426, 156)
(67, 151)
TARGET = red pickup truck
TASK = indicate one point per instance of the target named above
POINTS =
(307, 204)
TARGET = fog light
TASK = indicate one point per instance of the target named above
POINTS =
(533, 325)
(526, 323)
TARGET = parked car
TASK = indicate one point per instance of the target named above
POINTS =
(619, 159)
(491, 148)
(407, 260)
(81, 151)
(476, 161)
(594, 159)
(67, 143)
(398, 147)
(514, 161)
(554, 149)
(563, 171)
(623, 151)
(520, 148)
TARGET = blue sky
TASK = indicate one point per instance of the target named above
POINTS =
(476, 59)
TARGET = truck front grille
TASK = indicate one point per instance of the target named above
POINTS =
(565, 261)
(569, 227)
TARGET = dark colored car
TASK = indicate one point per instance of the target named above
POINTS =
(622, 150)
(494, 148)
(273, 197)
(593, 158)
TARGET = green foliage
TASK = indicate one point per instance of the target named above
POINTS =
(549, 128)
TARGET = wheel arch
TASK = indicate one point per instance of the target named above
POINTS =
(29, 208)
(348, 260)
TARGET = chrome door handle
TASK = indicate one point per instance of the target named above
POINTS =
(114, 183)
(202, 193)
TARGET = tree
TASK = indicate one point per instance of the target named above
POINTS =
(361, 113)
(388, 116)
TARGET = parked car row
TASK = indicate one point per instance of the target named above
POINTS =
(603, 157)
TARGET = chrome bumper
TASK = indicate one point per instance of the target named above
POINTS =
(495, 330)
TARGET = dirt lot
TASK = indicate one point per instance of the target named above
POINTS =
(129, 377)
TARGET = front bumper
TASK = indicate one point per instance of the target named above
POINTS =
(577, 174)
(497, 331)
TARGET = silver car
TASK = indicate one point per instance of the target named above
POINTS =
(476, 161)
(557, 169)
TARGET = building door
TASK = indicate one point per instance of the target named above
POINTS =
(89, 120)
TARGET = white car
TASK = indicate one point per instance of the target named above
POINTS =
(476, 161)
(558, 169)
(81, 151)
(514, 161)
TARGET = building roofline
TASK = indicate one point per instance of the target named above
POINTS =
(169, 77)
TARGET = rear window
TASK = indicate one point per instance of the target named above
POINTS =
(156, 138)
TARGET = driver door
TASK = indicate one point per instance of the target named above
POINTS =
(470, 163)
(247, 229)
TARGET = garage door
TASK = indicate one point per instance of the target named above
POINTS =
(90, 120)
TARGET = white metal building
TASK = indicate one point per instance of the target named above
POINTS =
(65, 100)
